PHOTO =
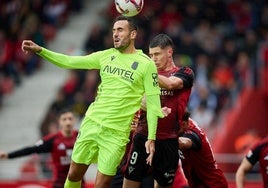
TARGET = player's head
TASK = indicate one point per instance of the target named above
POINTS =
(66, 121)
(124, 33)
(184, 122)
(161, 51)
(161, 40)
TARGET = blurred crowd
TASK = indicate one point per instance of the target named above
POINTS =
(219, 39)
(27, 19)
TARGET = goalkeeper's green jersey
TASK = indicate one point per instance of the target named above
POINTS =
(125, 78)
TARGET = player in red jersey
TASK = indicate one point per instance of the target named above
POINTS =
(59, 144)
(117, 181)
(258, 153)
(176, 84)
(198, 162)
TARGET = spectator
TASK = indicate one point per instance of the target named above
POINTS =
(203, 115)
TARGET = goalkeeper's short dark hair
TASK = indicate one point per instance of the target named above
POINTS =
(132, 24)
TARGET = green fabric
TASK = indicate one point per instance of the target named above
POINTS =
(101, 145)
(71, 184)
(125, 78)
(152, 113)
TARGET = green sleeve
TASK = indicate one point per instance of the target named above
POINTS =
(153, 105)
(71, 62)
(151, 84)
(153, 112)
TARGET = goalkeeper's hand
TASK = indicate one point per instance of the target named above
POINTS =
(30, 46)
(150, 149)
(166, 111)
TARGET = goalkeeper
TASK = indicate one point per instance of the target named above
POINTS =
(127, 74)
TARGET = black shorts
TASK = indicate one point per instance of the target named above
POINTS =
(118, 179)
(165, 161)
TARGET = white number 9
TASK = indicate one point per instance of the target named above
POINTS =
(134, 157)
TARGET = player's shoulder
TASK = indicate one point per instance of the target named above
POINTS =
(193, 126)
(261, 143)
(110, 50)
(186, 70)
(143, 56)
(106, 52)
(75, 133)
(103, 53)
(264, 140)
(51, 136)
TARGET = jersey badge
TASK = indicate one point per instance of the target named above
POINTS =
(130, 169)
(134, 65)
(112, 58)
(61, 146)
(155, 79)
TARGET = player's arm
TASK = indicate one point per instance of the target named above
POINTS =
(153, 107)
(62, 60)
(241, 172)
(165, 110)
(22, 152)
(190, 141)
(154, 111)
(183, 78)
(40, 147)
(185, 143)
(247, 164)
(171, 82)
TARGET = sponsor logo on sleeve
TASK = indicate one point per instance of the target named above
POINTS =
(155, 79)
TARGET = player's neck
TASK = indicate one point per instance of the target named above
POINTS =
(67, 133)
(171, 65)
(129, 50)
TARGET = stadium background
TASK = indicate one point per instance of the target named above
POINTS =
(225, 42)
